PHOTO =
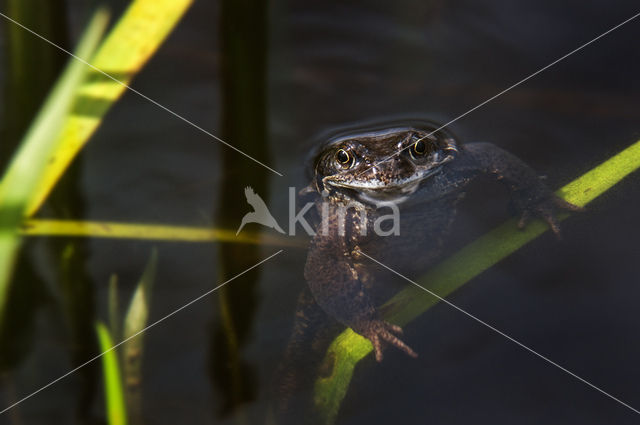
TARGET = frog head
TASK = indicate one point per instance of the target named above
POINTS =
(381, 164)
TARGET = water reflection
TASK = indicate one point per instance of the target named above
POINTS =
(243, 34)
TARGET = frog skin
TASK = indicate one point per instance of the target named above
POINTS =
(424, 175)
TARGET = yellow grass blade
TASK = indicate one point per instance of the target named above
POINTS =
(130, 44)
(105, 229)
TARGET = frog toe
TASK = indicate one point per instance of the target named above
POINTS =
(397, 329)
(395, 341)
(547, 210)
(377, 348)
(568, 206)
(379, 331)
(524, 219)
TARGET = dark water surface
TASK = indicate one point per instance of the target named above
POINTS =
(331, 63)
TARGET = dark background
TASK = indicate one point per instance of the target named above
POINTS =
(330, 63)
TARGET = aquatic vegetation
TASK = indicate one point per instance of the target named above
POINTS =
(113, 387)
(122, 369)
(70, 115)
(24, 175)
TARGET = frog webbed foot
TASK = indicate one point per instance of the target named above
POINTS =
(378, 332)
(546, 208)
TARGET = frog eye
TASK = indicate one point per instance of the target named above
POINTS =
(344, 158)
(419, 148)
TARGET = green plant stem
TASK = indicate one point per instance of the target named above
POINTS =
(31, 66)
(113, 388)
(25, 169)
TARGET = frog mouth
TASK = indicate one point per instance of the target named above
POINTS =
(378, 184)
(381, 189)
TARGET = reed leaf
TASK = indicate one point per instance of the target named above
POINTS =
(128, 46)
(135, 321)
(159, 232)
(113, 389)
(25, 170)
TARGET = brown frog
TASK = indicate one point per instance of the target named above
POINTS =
(390, 192)
(412, 177)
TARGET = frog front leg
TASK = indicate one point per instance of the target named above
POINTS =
(529, 195)
(337, 287)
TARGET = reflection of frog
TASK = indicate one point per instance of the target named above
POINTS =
(424, 175)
